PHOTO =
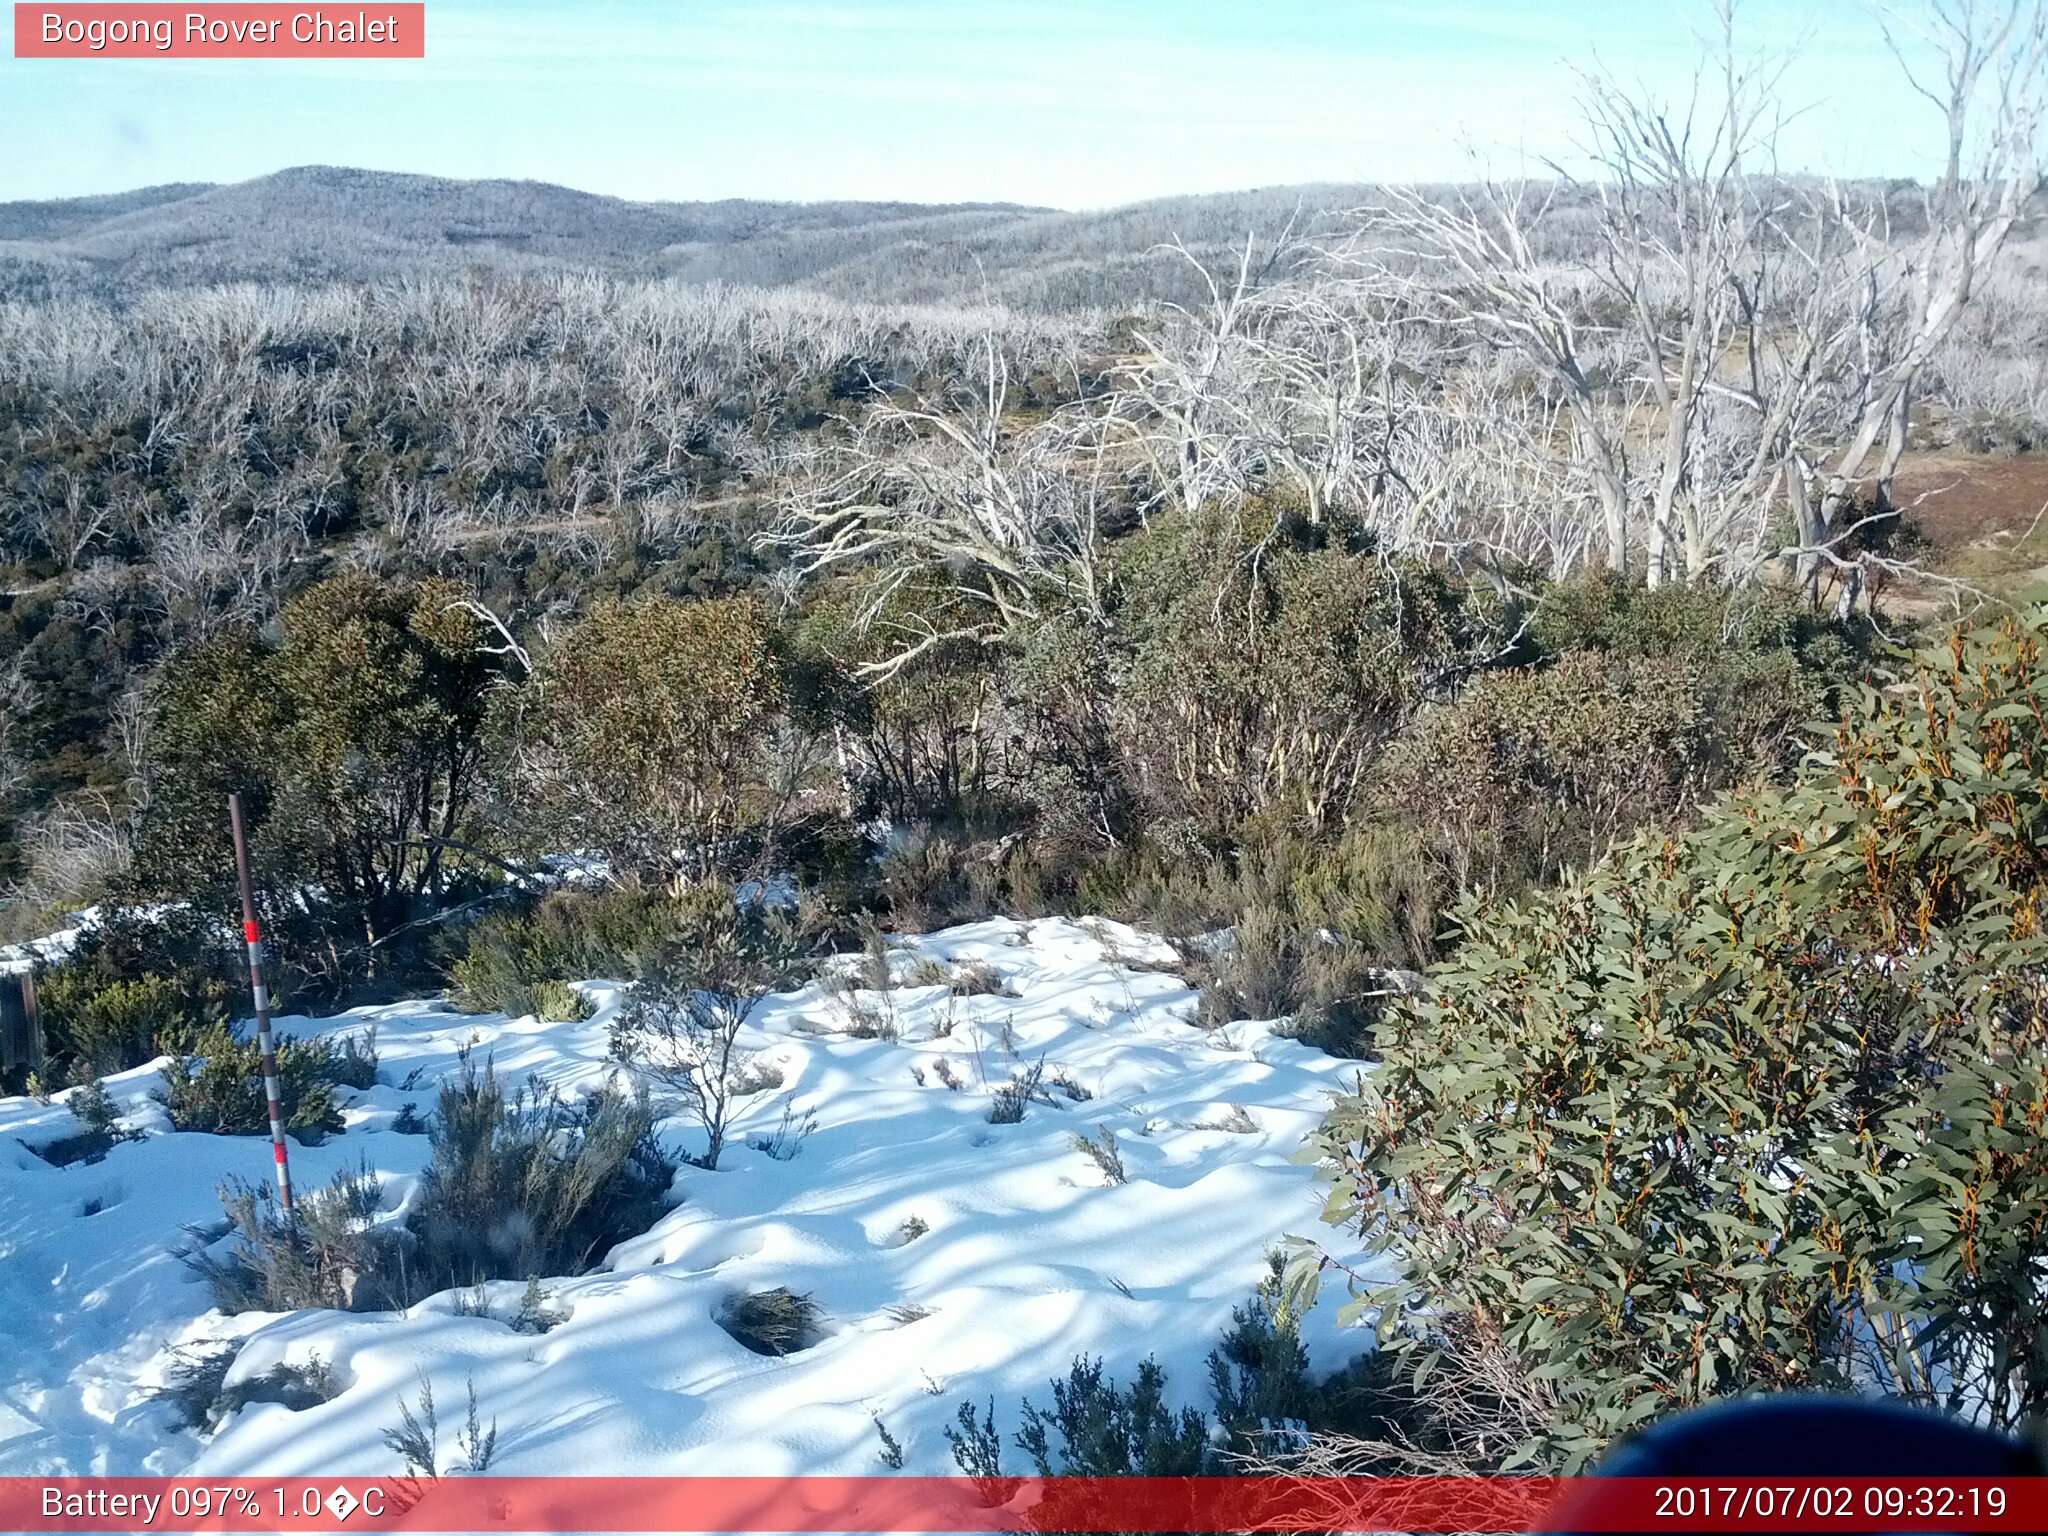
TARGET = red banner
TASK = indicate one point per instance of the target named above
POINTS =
(932, 1504)
(240, 31)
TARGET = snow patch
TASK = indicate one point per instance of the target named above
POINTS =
(949, 1257)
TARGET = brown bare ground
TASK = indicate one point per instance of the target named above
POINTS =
(1985, 518)
(1965, 501)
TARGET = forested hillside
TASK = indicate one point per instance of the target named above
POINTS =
(323, 223)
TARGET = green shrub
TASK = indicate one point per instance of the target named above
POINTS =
(1758, 1109)
(1264, 661)
(529, 1184)
(1318, 917)
(1094, 1429)
(519, 1186)
(1371, 886)
(1274, 967)
(648, 734)
(559, 1003)
(1643, 703)
(1258, 1375)
(1731, 629)
(217, 1087)
(1533, 770)
(1265, 1406)
(358, 743)
(110, 1024)
(514, 962)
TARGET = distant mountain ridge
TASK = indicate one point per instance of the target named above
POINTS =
(327, 223)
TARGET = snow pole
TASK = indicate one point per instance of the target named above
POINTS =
(252, 934)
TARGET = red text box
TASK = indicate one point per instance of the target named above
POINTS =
(1026, 1506)
(237, 31)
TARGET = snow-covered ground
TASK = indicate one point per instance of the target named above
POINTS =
(1030, 1256)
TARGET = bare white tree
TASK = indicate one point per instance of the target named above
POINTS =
(1983, 66)
(1730, 341)
(1003, 517)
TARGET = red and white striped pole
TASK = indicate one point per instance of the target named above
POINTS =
(252, 933)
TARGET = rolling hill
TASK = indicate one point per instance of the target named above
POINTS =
(324, 223)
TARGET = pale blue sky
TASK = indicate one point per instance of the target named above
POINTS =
(1075, 103)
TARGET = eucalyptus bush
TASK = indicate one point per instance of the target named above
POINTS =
(1764, 1107)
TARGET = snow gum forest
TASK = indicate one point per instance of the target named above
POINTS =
(1360, 829)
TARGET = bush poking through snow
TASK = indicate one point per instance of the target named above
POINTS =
(194, 1380)
(777, 1322)
(331, 1256)
(1327, 988)
(530, 1184)
(94, 1109)
(1238, 1122)
(1101, 1150)
(683, 1026)
(1258, 1376)
(1096, 1430)
(198, 1383)
(479, 1445)
(218, 1086)
(913, 1227)
(417, 1437)
(789, 1136)
(351, 1061)
(758, 1075)
(296, 1387)
(1266, 1404)
(978, 1448)
(474, 1302)
(867, 1020)
(891, 1454)
(874, 973)
(1011, 1097)
(977, 978)
(559, 1003)
(1063, 1080)
(518, 1186)
(534, 1314)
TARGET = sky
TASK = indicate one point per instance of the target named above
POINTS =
(1067, 103)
